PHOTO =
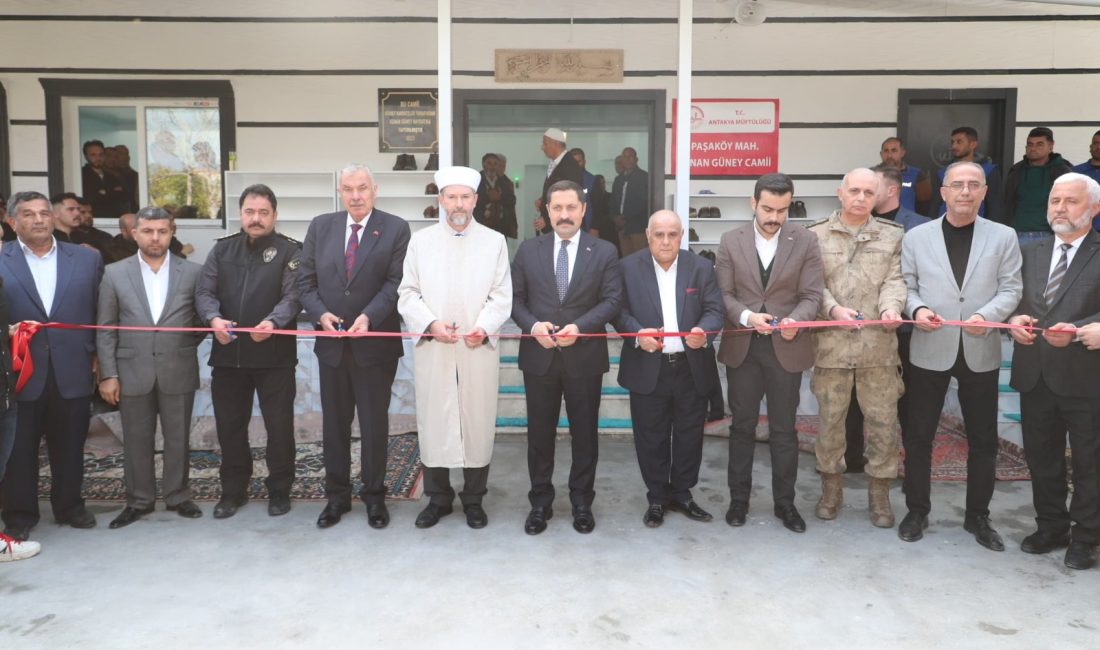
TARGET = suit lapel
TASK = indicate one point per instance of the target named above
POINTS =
(584, 254)
(782, 252)
(747, 243)
(545, 260)
(22, 272)
(175, 270)
(683, 274)
(977, 248)
(1080, 260)
(372, 232)
(64, 276)
(133, 271)
(940, 251)
(1040, 273)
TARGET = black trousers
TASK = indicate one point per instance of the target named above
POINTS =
(232, 390)
(1046, 418)
(758, 376)
(345, 390)
(853, 425)
(978, 398)
(64, 425)
(582, 406)
(668, 433)
(437, 485)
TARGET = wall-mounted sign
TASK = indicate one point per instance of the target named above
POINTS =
(408, 120)
(732, 137)
(576, 66)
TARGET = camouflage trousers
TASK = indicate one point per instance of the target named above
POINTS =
(877, 390)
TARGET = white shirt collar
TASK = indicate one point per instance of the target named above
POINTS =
(27, 251)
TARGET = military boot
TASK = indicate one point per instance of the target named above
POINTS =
(832, 496)
(878, 501)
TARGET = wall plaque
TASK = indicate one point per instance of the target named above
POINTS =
(408, 120)
(576, 66)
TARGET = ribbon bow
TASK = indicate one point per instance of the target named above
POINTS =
(21, 361)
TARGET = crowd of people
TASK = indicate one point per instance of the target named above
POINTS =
(882, 306)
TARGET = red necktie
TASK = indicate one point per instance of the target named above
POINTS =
(353, 248)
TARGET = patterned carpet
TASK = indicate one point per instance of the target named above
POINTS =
(948, 451)
(103, 474)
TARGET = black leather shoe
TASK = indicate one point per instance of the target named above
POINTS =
(536, 520)
(1080, 556)
(330, 516)
(78, 518)
(128, 516)
(186, 509)
(228, 506)
(476, 517)
(1042, 541)
(735, 516)
(430, 515)
(691, 509)
(654, 515)
(583, 519)
(983, 531)
(277, 504)
(912, 527)
(18, 533)
(792, 521)
(377, 515)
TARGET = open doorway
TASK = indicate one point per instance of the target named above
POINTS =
(602, 123)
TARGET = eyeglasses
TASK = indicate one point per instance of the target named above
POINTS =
(957, 186)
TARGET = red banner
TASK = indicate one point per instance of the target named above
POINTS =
(732, 137)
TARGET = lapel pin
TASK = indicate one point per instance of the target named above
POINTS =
(375, 233)
(588, 249)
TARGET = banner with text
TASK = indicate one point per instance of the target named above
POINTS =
(732, 137)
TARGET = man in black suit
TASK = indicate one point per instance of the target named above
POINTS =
(630, 202)
(564, 285)
(562, 167)
(351, 266)
(667, 289)
(1059, 379)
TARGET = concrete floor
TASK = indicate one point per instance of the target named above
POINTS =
(256, 581)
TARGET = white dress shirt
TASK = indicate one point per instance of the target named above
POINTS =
(156, 285)
(666, 286)
(44, 272)
(1056, 254)
(765, 248)
(359, 235)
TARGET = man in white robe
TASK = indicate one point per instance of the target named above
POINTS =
(456, 294)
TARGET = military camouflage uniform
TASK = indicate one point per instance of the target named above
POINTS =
(862, 272)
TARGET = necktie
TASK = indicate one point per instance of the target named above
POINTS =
(1059, 272)
(561, 270)
(352, 249)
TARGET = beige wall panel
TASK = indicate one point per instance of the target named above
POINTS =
(646, 47)
(316, 99)
(28, 148)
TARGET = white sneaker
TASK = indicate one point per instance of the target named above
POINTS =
(12, 549)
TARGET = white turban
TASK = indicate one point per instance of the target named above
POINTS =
(555, 134)
(464, 176)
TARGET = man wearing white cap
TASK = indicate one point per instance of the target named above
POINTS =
(455, 295)
(561, 168)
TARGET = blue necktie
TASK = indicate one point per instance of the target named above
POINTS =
(561, 270)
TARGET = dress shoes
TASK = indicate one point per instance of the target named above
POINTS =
(912, 527)
(18, 533)
(277, 504)
(737, 513)
(78, 518)
(1042, 541)
(128, 516)
(228, 506)
(431, 514)
(654, 516)
(476, 517)
(536, 520)
(583, 520)
(690, 509)
(378, 516)
(1081, 556)
(982, 530)
(186, 509)
(330, 516)
(792, 521)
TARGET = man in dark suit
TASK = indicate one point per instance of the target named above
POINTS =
(46, 280)
(630, 202)
(106, 192)
(564, 285)
(351, 266)
(667, 289)
(151, 375)
(769, 271)
(562, 167)
(496, 198)
(1058, 379)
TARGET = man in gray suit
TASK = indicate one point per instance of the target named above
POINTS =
(769, 271)
(1058, 378)
(958, 267)
(151, 374)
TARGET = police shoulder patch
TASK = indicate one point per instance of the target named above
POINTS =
(289, 239)
(230, 236)
(294, 264)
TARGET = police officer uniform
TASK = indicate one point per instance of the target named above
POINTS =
(247, 282)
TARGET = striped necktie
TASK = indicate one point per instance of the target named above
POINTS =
(1057, 275)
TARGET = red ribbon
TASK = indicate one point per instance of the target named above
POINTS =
(21, 360)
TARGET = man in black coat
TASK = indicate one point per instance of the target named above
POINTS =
(562, 167)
